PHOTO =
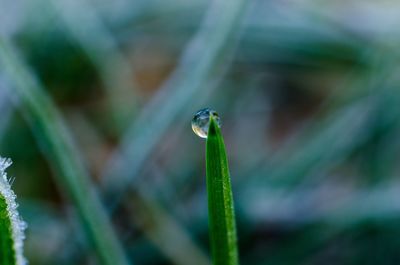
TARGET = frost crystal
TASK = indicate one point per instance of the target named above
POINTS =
(18, 226)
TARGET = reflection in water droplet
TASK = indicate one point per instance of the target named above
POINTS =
(201, 121)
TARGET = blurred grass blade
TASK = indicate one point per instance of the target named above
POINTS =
(86, 27)
(160, 227)
(209, 47)
(11, 225)
(51, 132)
(6, 108)
(220, 200)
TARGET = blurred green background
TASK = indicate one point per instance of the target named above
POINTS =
(308, 93)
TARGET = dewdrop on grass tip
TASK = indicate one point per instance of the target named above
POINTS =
(201, 121)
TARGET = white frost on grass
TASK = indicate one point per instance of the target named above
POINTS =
(18, 226)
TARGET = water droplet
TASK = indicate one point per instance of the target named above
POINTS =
(201, 121)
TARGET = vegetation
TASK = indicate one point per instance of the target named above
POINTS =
(95, 102)
(220, 200)
(11, 226)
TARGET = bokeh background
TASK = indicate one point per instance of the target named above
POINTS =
(308, 93)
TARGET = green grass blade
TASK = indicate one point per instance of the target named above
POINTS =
(220, 200)
(11, 225)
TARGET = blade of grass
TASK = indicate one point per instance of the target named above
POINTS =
(220, 200)
(11, 226)
(58, 147)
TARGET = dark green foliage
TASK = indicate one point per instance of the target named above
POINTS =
(7, 253)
